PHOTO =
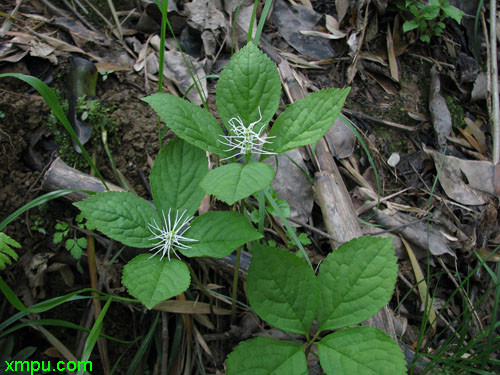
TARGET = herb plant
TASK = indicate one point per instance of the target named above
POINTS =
(74, 244)
(352, 284)
(429, 17)
(168, 229)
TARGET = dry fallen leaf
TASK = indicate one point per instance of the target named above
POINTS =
(441, 118)
(291, 184)
(393, 64)
(341, 139)
(452, 170)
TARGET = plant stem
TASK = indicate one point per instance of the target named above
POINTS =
(234, 292)
(252, 21)
(164, 18)
(101, 342)
(295, 239)
(495, 110)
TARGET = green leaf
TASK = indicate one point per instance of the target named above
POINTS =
(266, 356)
(189, 122)
(409, 25)
(307, 120)
(249, 81)
(425, 38)
(218, 233)
(152, 280)
(430, 12)
(284, 207)
(123, 217)
(361, 351)
(7, 244)
(453, 13)
(356, 281)
(176, 176)
(282, 289)
(235, 181)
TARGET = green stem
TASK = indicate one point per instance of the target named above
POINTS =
(234, 292)
(295, 239)
(252, 21)
(262, 210)
(164, 19)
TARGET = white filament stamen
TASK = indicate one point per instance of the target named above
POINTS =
(170, 236)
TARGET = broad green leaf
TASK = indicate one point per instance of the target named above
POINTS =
(249, 81)
(430, 12)
(282, 289)
(218, 233)
(452, 12)
(356, 281)
(122, 216)
(361, 351)
(425, 38)
(176, 176)
(409, 25)
(189, 122)
(306, 120)
(235, 181)
(152, 280)
(284, 207)
(266, 356)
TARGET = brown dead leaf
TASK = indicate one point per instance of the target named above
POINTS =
(423, 290)
(393, 64)
(190, 307)
(106, 66)
(441, 118)
(341, 6)
(480, 88)
(475, 128)
(496, 181)
(333, 27)
(341, 139)
(291, 184)
(472, 141)
(452, 170)
(52, 352)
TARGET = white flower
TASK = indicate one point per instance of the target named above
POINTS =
(244, 139)
(170, 236)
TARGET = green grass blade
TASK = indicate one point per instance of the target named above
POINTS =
(94, 334)
(56, 323)
(144, 345)
(11, 296)
(37, 202)
(262, 21)
(52, 101)
(252, 21)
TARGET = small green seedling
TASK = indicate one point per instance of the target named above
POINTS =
(74, 244)
(353, 283)
(429, 17)
(105, 73)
